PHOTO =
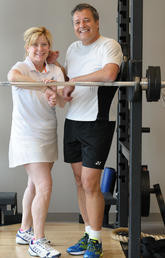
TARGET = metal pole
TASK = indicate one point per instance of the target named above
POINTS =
(135, 176)
(143, 83)
(136, 39)
(122, 118)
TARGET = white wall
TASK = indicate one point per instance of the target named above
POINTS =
(154, 113)
(18, 15)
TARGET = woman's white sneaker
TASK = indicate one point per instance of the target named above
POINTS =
(42, 249)
(24, 237)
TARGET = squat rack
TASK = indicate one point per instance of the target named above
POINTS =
(129, 129)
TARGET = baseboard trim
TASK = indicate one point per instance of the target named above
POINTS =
(74, 217)
(63, 217)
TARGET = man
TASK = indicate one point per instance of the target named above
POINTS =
(88, 132)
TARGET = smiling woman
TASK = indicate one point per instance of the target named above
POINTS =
(37, 46)
(38, 52)
(33, 140)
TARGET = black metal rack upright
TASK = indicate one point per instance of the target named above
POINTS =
(123, 116)
(129, 130)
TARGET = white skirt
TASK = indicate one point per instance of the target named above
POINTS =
(33, 151)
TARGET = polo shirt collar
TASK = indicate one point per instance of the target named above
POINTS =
(32, 66)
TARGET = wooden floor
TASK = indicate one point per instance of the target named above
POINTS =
(61, 235)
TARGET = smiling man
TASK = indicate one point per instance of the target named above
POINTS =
(88, 130)
(86, 26)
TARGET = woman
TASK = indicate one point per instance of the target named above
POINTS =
(33, 141)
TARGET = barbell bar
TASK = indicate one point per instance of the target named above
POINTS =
(143, 83)
(152, 84)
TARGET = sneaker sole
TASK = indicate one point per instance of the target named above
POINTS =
(99, 256)
(32, 253)
(21, 241)
(76, 253)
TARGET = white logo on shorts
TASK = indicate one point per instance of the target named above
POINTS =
(98, 163)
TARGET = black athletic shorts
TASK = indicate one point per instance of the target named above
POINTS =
(88, 142)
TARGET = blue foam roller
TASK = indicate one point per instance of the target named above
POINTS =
(108, 180)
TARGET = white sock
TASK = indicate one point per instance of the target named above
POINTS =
(39, 239)
(95, 235)
(87, 229)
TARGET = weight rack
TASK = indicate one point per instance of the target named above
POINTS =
(129, 129)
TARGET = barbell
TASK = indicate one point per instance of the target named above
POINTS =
(152, 84)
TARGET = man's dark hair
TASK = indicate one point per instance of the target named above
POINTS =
(83, 6)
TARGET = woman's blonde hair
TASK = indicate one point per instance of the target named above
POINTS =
(32, 34)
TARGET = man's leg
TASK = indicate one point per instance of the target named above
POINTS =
(77, 170)
(95, 209)
(81, 246)
(94, 198)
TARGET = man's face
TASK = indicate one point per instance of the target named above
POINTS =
(85, 27)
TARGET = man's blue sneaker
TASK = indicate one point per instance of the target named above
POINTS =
(80, 247)
(94, 249)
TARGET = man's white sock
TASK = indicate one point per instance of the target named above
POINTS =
(87, 229)
(95, 235)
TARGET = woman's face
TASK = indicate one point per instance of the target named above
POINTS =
(39, 50)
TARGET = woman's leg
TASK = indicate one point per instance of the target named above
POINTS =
(28, 197)
(40, 176)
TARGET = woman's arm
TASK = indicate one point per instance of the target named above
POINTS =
(54, 96)
(15, 75)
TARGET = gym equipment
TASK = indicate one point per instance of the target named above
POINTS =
(144, 83)
(107, 188)
(129, 121)
(8, 208)
(108, 180)
(145, 192)
(121, 234)
(152, 84)
(150, 245)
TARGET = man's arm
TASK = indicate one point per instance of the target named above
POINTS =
(52, 59)
(108, 73)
